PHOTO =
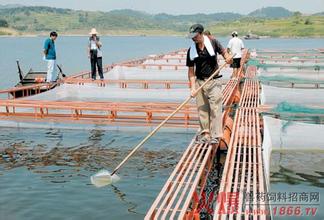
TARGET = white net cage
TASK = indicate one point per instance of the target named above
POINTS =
(282, 135)
(271, 95)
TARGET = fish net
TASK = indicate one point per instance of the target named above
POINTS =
(154, 73)
(288, 51)
(149, 73)
(293, 80)
(292, 56)
(293, 72)
(166, 61)
(271, 95)
(286, 107)
(296, 120)
(133, 93)
(94, 93)
(297, 112)
(284, 135)
(283, 66)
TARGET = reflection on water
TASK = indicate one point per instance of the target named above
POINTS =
(122, 196)
(298, 167)
(298, 172)
(295, 178)
(88, 157)
(96, 135)
(44, 174)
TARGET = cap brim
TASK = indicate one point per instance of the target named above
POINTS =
(192, 35)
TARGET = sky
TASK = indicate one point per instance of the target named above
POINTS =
(178, 6)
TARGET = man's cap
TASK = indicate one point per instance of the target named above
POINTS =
(195, 29)
(234, 33)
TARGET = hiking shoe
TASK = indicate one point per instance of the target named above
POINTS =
(214, 141)
(201, 139)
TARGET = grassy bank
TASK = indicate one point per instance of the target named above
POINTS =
(301, 26)
(8, 32)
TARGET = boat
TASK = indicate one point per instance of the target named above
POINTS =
(251, 37)
(33, 78)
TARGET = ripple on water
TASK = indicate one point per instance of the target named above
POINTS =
(46, 173)
(296, 167)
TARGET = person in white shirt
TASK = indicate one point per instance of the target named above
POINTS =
(235, 46)
(95, 54)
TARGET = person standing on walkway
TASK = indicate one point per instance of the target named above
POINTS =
(50, 57)
(95, 54)
(235, 46)
(202, 63)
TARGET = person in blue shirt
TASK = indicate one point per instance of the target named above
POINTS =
(50, 57)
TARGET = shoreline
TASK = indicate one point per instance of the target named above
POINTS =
(147, 35)
(102, 35)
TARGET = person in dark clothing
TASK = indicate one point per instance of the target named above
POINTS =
(95, 54)
(202, 63)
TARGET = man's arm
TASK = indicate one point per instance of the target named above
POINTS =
(219, 49)
(229, 46)
(191, 74)
(46, 48)
(192, 80)
(89, 48)
(227, 57)
(98, 43)
(88, 51)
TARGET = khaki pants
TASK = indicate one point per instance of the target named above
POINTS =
(209, 103)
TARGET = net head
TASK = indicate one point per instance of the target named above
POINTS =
(104, 178)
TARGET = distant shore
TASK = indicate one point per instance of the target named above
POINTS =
(105, 34)
(147, 35)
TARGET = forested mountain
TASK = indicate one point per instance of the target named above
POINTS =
(271, 12)
(271, 21)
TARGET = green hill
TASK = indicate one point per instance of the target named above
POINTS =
(271, 12)
(41, 20)
(11, 6)
(44, 19)
(319, 14)
(296, 26)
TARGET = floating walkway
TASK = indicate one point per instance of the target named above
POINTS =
(243, 170)
(245, 176)
(180, 196)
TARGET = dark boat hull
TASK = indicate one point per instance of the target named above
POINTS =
(25, 91)
(32, 83)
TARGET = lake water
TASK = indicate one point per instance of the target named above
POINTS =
(44, 173)
(298, 172)
(72, 53)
